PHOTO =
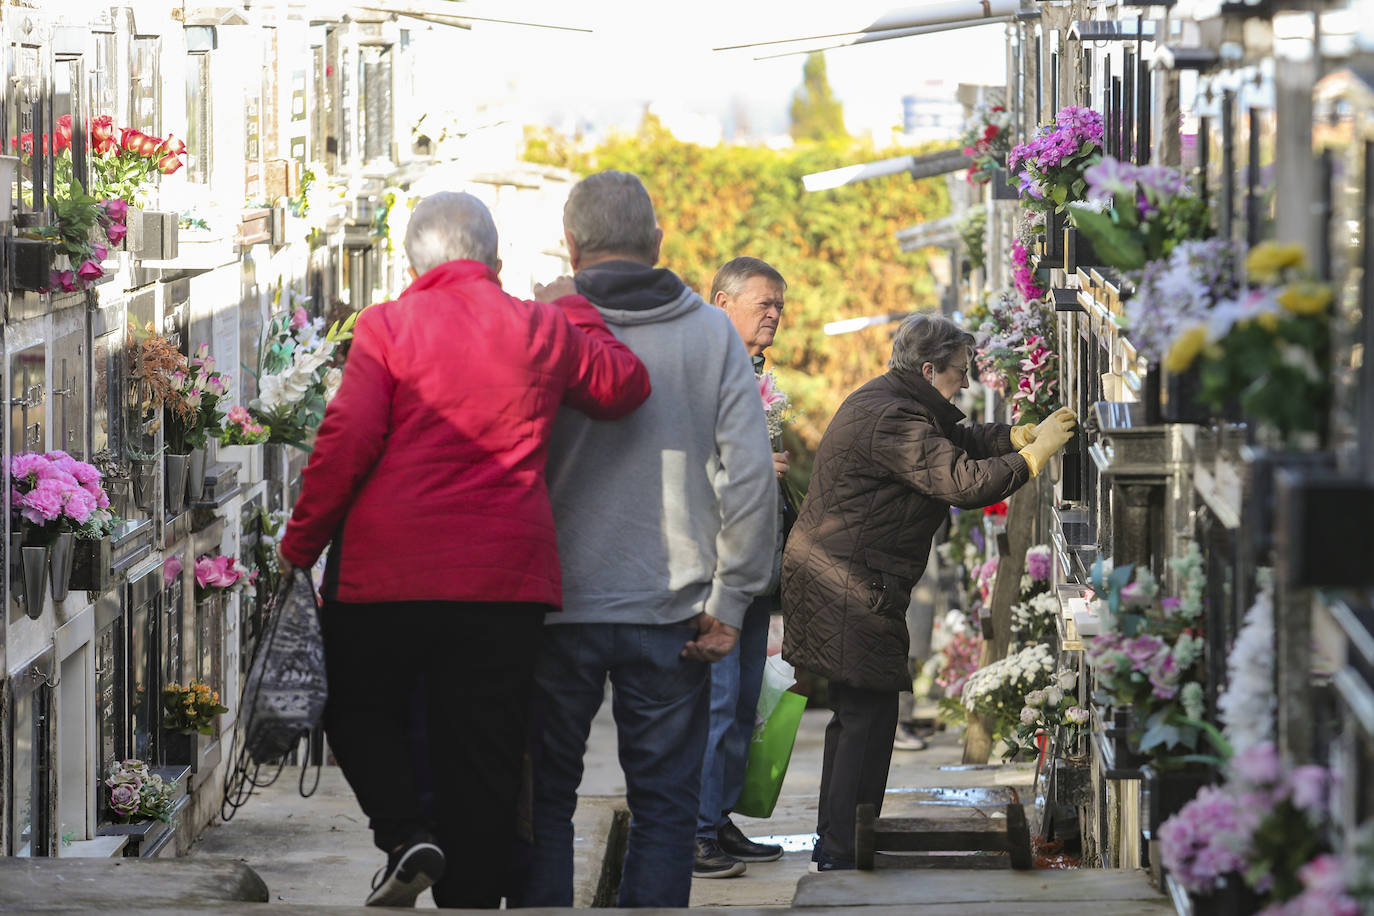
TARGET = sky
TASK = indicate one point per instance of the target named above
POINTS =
(643, 51)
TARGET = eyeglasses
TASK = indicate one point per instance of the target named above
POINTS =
(962, 370)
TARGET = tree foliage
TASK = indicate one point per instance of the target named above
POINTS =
(816, 113)
(837, 249)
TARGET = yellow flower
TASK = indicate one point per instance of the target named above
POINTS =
(1305, 298)
(1186, 349)
(1268, 259)
(1269, 321)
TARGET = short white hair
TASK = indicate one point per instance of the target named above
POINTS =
(450, 226)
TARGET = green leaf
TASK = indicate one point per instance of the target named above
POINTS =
(1120, 248)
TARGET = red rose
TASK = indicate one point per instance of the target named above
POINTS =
(168, 163)
(129, 139)
(103, 139)
(62, 138)
(992, 131)
(172, 145)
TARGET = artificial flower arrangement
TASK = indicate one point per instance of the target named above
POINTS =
(958, 645)
(1047, 710)
(775, 406)
(154, 365)
(124, 160)
(998, 690)
(1149, 658)
(1177, 292)
(986, 139)
(190, 709)
(295, 378)
(54, 494)
(1135, 214)
(1266, 824)
(1269, 347)
(135, 792)
(193, 412)
(1051, 164)
(241, 429)
(219, 575)
(1017, 355)
(1033, 615)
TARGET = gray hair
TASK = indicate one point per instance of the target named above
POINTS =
(732, 276)
(928, 338)
(610, 213)
(449, 226)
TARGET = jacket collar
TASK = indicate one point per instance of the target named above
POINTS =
(451, 272)
(925, 394)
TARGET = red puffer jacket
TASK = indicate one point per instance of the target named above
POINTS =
(430, 459)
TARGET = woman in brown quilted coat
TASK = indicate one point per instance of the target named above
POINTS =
(891, 463)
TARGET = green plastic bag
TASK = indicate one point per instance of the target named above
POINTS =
(769, 753)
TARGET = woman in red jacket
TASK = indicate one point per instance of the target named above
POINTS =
(428, 478)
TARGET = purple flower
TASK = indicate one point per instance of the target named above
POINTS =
(124, 799)
(1164, 678)
(1207, 839)
(1257, 766)
(1038, 563)
(1308, 786)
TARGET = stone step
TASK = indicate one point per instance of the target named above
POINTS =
(42, 885)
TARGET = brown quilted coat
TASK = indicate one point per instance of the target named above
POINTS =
(891, 463)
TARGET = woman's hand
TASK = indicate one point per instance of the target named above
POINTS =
(1062, 419)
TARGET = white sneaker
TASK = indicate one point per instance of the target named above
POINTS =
(907, 739)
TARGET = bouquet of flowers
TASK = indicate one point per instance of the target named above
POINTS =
(124, 160)
(1034, 613)
(1266, 824)
(1150, 212)
(775, 404)
(1052, 162)
(219, 574)
(1150, 660)
(1176, 293)
(1017, 355)
(295, 379)
(137, 793)
(199, 391)
(986, 139)
(54, 494)
(958, 644)
(191, 708)
(154, 364)
(1268, 348)
(999, 690)
(1046, 710)
(241, 429)
(77, 215)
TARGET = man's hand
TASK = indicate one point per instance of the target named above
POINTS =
(780, 463)
(714, 640)
(556, 289)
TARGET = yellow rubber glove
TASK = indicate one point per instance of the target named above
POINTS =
(1050, 436)
(1023, 435)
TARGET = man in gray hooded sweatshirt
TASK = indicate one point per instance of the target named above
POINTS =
(666, 526)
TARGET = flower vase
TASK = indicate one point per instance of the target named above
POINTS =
(91, 567)
(35, 561)
(195, 475)
(175, 492)
(60, 570)
(144, 477)
(1179, 397)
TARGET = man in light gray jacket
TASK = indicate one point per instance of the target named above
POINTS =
(666, 526)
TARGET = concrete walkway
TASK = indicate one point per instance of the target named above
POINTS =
(316, 854)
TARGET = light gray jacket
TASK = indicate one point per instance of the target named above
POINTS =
(672, 510)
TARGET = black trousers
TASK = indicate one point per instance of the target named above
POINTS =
(427, 711)
(858, 751)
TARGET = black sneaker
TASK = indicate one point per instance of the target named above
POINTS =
(734, 843)
(821, 862)
(711, 862)
(408, 873)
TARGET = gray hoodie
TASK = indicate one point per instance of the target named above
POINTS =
(672, 510)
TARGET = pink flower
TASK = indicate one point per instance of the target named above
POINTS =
(239, 414)
(100, 251)
(115, 232)
(85, 473)
(91, 270)
(299, 318)
(1308, 785)
(769, 392)
(26, 463)
(78, 505)
(68, 280)
(1257, 766)
(41, 505)
(118, 209)
(124, 799)
(171, 568)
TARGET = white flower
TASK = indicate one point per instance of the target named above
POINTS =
(1066, 680)
(1191, 697)
(1053, 696)
(1246, 708)
(1028, 715)
(1035, 698)
(1077, 715)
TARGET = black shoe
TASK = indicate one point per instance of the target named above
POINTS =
(409, 871)
(734, 843)
(711, 862)
(821, 862)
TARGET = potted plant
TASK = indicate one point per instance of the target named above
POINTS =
(124, 163)
(241, 440)
(188, 714)
(159, 372)
(1047, 170)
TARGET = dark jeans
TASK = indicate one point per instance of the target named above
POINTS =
(660, 704)
(735, 683)
(427, 713)
(858, 750)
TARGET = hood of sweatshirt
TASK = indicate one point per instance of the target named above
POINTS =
(628, 292)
